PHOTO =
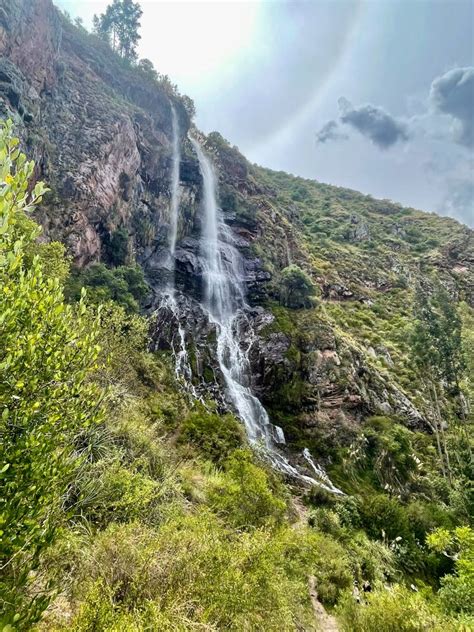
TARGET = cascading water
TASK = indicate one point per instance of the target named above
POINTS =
(175, 196)
(224, 298)
(168, 300)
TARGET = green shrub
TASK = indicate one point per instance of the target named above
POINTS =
(384, 517)
(138, 441)
(125, 285)
(331, 569)
(393, 610)
(244, 496)
(369, 560)
(347, 509)
(48, 353)
(215, 436)
(425, 517)
(116, 247)
(296, 288)
(386, 449)
(325, 520)
(194, 572)
(457, 590)
(107, 491)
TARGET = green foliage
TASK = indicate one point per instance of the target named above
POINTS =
(386, 449)
(194, 571)
(436, 339)
(47, 356)
(296, 287)
(123, 337)
(457, 590)
(384, 517)
(369, 560)
(119, 25)
(332, 570)
(116, 248)
(424, 517)
(106, 491)
(467, 340)
(396, 609)
(52, 258)
(215, 436)
(147, 68)
(244, 496)
(125, 285)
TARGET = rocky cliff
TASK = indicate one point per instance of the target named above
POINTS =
(100, 132)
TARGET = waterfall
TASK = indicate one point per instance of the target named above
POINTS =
(224, 299)
(174, 207)
(183, 369)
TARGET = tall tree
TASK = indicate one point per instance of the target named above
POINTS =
(119, 27)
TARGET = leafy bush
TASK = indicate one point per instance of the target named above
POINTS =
(123, 339)
(397, 609)
(138, 442)
(457, 590)
(425, 517)
(216, 436)
(116, 247)
(325, 520)
(331, 569)
(107, 491)
(243, 495)
(386, 449)
(369, 560)
(384, 517)
(296, 288)
(48, 353)
(125, 285)
(194, 571)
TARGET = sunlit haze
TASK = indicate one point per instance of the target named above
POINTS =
(271, 77)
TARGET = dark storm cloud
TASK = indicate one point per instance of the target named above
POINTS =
(453, 94)
(383, 129)
(372, 121)
(330, 131)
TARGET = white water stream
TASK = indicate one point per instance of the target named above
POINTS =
(224, 299)
(175, 193)
(168, 301)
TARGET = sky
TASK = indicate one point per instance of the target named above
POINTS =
(377, 96)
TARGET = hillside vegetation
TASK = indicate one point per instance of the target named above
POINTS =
(127, 504)
(129, 507)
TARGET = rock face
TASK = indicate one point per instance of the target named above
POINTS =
(101, 133)
(102, 146)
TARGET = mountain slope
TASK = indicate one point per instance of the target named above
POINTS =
(340, 290)
(101, 135)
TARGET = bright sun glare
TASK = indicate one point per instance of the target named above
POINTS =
(189, 40)
(193, 41)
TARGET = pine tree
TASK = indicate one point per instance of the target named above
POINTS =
(119, 27)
